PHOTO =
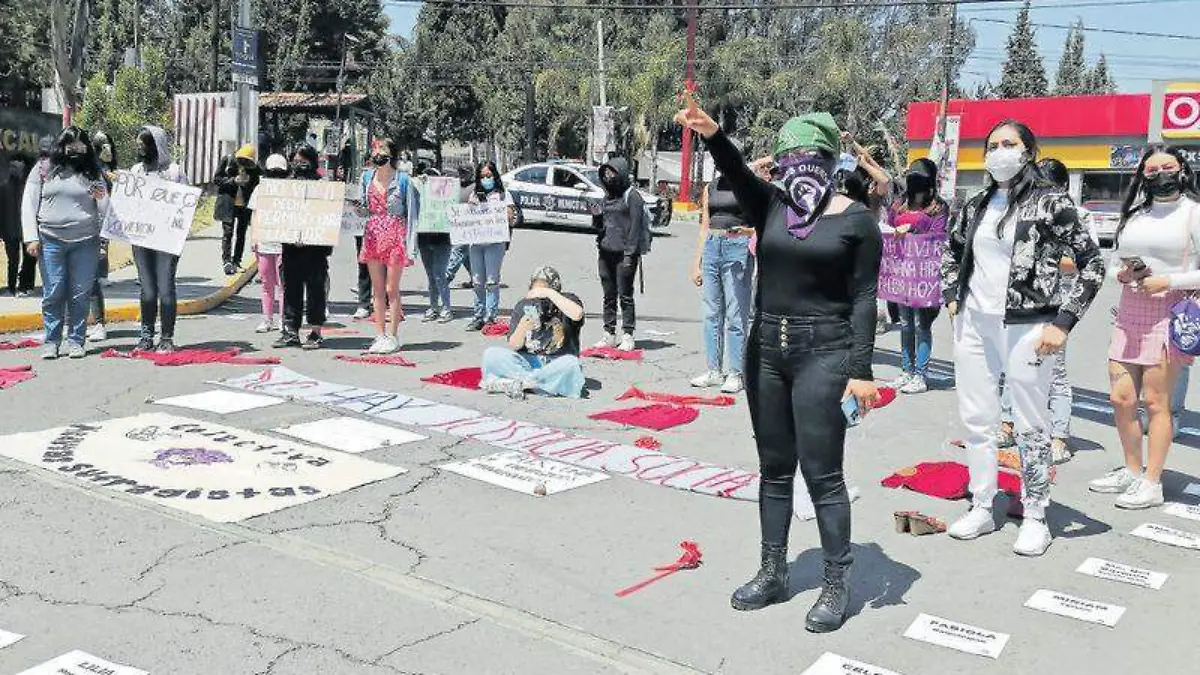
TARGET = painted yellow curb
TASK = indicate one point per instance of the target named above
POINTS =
(31, 321)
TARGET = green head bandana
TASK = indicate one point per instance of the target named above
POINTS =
(814, 130)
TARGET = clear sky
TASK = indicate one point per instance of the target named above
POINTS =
(1133, 60)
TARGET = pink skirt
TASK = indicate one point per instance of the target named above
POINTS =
(1140, 334)
(384, 241)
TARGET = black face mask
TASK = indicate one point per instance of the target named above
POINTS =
(277, 173)
(381, 160)
(76, 160)
(1164, 184)
(302, 168)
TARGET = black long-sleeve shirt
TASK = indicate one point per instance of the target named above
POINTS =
(832, 272)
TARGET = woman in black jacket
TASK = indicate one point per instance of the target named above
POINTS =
(620, 224)
(810, 344)
(236, 178)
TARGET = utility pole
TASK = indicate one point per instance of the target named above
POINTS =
(529, 123)
(685, 164)
(243, 89)
(600, 49)
(947, 69)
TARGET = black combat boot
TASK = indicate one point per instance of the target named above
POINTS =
(769, 586)
(829, 613)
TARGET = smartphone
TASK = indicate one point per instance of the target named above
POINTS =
(851, 410)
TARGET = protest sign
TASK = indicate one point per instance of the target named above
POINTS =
(910, 270)
(1167, 535)
(150, 212)
(213, 471)
(307, 212)
(525, 473)
(485, 223)
(348, 434)
(1125, 574)
(438, 194)
(1075, 608)
(1188, 511)
(954, 635)
(219, 401)
(81, 663)
(354, 218)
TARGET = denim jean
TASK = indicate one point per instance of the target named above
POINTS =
(69, 273)
(726, 269)
(916, 338)
(459, 257)
(436, 258)
(559, 376)
(486, 260)
(1061, 399)
(156, 276)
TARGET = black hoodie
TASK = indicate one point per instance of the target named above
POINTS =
(621, 220)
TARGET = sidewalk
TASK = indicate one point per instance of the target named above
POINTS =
(201, 285)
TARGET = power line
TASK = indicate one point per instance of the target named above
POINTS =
(1089, 29)
(642, 5)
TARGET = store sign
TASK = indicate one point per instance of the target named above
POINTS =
(245, 65)
(1174, 111)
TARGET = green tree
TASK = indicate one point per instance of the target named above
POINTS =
(1023, 74)
(24, 67)
(1099, 80)
(136, 98)
(1072, 76)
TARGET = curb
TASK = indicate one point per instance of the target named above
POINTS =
(32, 321)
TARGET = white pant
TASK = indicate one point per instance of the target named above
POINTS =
(984, 349)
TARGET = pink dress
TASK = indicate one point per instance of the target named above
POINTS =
(384, 235)
(1140, 334)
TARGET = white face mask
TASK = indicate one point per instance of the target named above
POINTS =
(1004, 163)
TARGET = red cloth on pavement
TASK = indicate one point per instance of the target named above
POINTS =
(191, 357)
(19, 344)
(659, 416)
(463, 378)
(648, 443)
(377, 360)
(612, 354)
(690, 559)
(339, 330)
(496, 329)
(15, 375)
(681, 399)
(944, 480)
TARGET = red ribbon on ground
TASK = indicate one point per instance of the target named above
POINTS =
(690, 559)
(190, 357)
(681, 399)
(15, 375)
(377, 360)
(612, 354)
(20, 344)
(463, 378)
(340, 330)
(648, 443)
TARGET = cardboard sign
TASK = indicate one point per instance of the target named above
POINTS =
(954, 635)
(525, 473)
(484, 223)
(349, 434)
(1075, 608)
(1125, 574)
(438, 194)
(217, 472)
(354, 218)
(910, 271)
(1167, 535)
(220, 401)
(150, 212)
(7, 638)
(81, 663)
(307, 212)
(1189, 511)
(832, 664)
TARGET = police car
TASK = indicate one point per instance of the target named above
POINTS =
(564, 193)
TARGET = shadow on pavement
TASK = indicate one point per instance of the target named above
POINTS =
(875, 579)
(1066, 522)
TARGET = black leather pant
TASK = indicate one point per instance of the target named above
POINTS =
(233, 235)
(796, 374)
(617, 272)
(305, 273)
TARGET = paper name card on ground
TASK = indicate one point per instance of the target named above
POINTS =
(1192, 489)
(1126, 574)
(1167, 535)
(7, 638)
(217, 472)
(1075, 608)
(832, 664)
(350, 434)
(526, 473)
(1189, 511)
(81, 663)
(954, 635)
(220, 401)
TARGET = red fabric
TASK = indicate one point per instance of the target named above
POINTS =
(191, 357)
(659, 417)
(15, 375)
(648, 443)
(20, 344)
(612, 353)
(886, 396)
(463, 378)
(1053, 117)
(944, 480)
(326, 332)
(496, 329)
(681, 399)
(690, 559)
(377, 360)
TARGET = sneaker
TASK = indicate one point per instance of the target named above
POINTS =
(1005, 437)
(976, 523)
(49, 352)
(475, 326)
(502, 385)
(1114, 482)
(712, 378)
(1141, 494)
(627, 343)
(431, 314)
(263, 327)
(900, 382)
(378, 346)
(24, 294)
(97, 333)
(1060, 452)
(76, 351)
(609, 340)
(314, 340)
(146, 344)
(230, 269)
(287, 339)
(445, 316)
(361, 313)
(733, 384)
(166, 346)
(1033, 539)
(915, 385)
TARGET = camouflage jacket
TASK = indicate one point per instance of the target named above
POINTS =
(1048, 229)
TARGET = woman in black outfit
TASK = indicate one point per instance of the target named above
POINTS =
(810, 345)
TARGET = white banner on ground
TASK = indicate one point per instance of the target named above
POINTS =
(525, 473)
(349, 434)
(220, 401)
(1126, 574)
(484, 223)
(1075, 608)
(1188, 511)
(307, 212)
(832, 664)
(954, 635)
(7, 638)
(150, 212)
(81, 663)
(217, 472)
(648, 466)
(1167, 535)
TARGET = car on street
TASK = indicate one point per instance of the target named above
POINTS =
(1107, 215)
(565, 193)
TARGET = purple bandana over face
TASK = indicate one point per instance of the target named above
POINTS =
(807, 179)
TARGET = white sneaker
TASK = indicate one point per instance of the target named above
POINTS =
(1114, 482)
(49, 352)
(710, 379)
(627, 343)
(733, 384)
(361, 313)
(263, 327)
(1033, 539)
(976, 523)
(900, 382)
(75, 351)
(915, 385)
(609, 340)
(1142, 494)
(97, 333)
(379, 346)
